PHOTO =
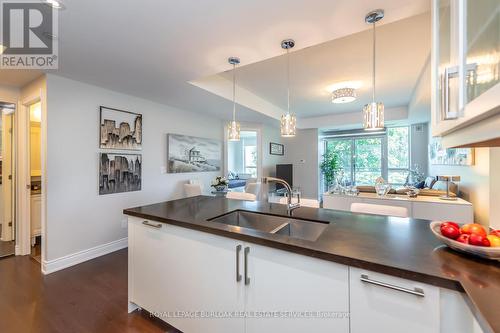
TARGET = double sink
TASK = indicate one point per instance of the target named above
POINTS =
(277, 225)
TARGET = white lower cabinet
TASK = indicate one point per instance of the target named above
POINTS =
(199, 282)
(174, 270)
(314, 291)
(382, 303)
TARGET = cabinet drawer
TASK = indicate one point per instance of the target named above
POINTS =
(382, 303)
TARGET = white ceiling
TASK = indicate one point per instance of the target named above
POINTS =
(152, 49)
(17, 78)
(403, 48)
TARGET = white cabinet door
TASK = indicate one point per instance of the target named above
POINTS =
(338, 202)
(450, 212)
(177, 272)
(36, 215)
(286, 284)
(375, 308)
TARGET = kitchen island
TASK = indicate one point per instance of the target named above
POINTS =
(359, 273)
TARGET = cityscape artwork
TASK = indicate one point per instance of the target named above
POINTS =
(193, 154)
(120, 129)
(119, 173)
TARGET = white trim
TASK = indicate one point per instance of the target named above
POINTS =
(54, 265)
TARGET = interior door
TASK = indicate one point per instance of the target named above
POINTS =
(290, 293)
(367, 160)
(6, 181)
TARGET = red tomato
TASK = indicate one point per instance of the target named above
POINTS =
(478, 240)
(450, 231)
(473, 228)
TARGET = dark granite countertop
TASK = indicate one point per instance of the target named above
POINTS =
(400, 247)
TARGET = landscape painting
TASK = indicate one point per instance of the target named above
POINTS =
(193, 154)
(452, 156)
(120, 129)
(119, 173)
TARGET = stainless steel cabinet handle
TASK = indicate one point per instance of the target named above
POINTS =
(449, 73)
(238, 275)
(157, 226)
(416, 291)
(247, 279)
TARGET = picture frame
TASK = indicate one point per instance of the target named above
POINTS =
(276, 149)
(193, 154)
(119, 129)
(119, 172)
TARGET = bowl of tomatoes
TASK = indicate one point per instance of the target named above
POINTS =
(470, 238)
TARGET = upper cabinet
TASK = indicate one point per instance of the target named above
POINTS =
(465, 63)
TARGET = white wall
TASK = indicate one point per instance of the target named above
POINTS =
(474, 184)
(78, 218)
(419, 148)
(302, 152)
(271, 134)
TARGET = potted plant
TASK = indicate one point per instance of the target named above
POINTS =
(220, 183)
(330, 166)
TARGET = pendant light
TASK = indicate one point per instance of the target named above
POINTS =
(288, 120)
(233, 128)
(373, 113)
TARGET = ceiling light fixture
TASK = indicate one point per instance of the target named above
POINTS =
(373, 113)
(343, 95)
(233, 128)
(288, 120)
(54, 4)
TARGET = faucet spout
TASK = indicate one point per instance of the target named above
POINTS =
(290, 206)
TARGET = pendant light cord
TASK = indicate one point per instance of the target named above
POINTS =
(374, 62)
(234, 92)
(288, 80)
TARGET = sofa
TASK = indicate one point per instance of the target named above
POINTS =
(430, 187)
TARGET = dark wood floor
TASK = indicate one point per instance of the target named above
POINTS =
(90, 297)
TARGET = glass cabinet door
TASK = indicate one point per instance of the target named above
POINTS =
(447, 60)
(482, 46)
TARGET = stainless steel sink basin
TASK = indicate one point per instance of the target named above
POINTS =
(288, 226)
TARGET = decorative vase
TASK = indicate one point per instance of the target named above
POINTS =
(220, 188)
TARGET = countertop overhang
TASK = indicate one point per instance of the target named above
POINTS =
(400, 247)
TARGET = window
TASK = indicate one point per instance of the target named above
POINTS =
(251, 160)
(398, 154)
(362, 156)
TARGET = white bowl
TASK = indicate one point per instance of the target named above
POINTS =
(492, 253)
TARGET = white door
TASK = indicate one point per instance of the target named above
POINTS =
(284, 285)
(183, 275)
(382, 303)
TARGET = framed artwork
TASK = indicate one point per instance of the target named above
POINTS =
(452, 156)
(119, 173)
(119, 129)
(276, 149)
(193, 154)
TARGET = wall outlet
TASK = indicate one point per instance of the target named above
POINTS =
(124, 223)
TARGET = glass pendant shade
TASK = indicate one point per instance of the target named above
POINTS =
(373, 116)
(233, 128)
(288, 125)
(373, 113)
(288, 120)
(233, 131)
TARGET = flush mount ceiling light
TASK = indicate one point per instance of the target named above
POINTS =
(373, 113)
(288, 120)
(233, 128)
(343, 95)
(54, 4)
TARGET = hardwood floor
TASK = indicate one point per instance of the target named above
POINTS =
(90, 297)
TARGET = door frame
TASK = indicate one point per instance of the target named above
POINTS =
(24, 174)
(250, 128)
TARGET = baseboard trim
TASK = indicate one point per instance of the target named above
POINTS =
(54, 265)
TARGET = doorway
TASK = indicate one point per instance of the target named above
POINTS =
(7, 186)
(35, 146)
(244, 159)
